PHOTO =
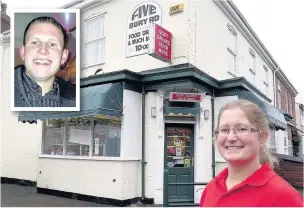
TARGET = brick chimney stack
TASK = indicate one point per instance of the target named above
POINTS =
(5, 19)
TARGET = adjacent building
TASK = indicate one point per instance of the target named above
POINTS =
(167, 67)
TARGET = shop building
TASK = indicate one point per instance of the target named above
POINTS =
(150, 110)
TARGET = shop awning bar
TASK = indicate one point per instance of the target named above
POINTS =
(275, 117)
(98, 100)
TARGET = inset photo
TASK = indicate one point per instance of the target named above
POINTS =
(46, 65)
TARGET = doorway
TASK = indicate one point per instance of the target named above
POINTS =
(179, 154)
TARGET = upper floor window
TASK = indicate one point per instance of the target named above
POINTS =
(287, 102)
(266, 81)
(279, 95)
(252, 65)
(94, 43)
(231, 48)
(291, 105)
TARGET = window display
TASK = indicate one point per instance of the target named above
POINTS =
(178, 147)
(101, 136)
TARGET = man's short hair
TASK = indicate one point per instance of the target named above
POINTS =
(51, 20)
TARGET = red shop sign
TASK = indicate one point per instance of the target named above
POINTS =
(161, 43)
(185, 97)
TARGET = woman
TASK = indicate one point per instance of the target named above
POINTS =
(248, 180)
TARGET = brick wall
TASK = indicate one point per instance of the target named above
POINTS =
(285, 92)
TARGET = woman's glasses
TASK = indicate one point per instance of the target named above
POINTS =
(239, 131)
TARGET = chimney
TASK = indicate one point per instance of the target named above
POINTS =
(5, 19)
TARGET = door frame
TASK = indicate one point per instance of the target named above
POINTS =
(178, 123)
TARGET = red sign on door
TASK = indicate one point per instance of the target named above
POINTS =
(161, 43)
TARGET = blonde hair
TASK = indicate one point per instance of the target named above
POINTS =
(259, 120)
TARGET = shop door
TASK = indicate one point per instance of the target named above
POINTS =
(179, 161)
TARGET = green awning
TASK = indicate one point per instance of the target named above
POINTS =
(275, 117)
(182, 111)
(99, 100)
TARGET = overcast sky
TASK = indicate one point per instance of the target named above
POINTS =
(278, 23)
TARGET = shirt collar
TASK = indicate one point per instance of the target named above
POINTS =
(258, 178)
(33, 86)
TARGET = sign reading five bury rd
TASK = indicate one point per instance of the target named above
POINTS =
(138, 26)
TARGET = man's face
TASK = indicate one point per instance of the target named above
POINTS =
(43, 52)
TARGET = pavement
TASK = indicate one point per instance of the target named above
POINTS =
(14, 195)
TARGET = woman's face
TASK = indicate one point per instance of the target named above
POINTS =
(242, 145)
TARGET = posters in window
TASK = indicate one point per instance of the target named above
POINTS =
(138, 27)
(80, 136)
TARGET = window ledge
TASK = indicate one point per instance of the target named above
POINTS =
(252, 72)
(87, 67)
(231, 73)
(88, 158)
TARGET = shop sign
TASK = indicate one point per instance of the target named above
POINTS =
(161, 43)
(138, 27)
(176, 9)
(184, 97)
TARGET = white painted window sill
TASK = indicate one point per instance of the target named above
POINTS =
(88, 158)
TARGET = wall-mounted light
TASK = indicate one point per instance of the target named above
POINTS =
(206, 114)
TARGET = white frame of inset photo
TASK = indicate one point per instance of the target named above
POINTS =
(12, 64)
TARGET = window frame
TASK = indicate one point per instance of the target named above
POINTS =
(253, 59)
(230, 50)
(279, 95)
(85, 42)
(65, 141)
(273, 149)
(287, 102)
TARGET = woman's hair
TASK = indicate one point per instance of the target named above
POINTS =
(258, 119)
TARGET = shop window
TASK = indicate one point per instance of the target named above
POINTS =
(107, 137)
(53, 137)
(78, 137)
(82, 137)
(94, 41)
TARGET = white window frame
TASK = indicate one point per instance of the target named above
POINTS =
(271, 140)
(286, 143)
(287, 102)
(231, 51)
(279, 95)
(253, 59)
(291, 105)
(302, 119)
(65, 143)
(266, 82)
(95, 40)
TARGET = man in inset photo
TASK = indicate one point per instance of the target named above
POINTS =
(44, 51)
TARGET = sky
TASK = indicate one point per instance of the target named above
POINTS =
(278, 23)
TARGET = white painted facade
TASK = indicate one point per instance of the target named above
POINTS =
(20, 143)
(199, 38)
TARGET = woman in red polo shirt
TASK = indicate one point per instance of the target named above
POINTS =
(248, 180)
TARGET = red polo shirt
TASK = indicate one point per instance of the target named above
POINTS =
(264, 188)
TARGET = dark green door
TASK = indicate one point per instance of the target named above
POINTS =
(179, 161)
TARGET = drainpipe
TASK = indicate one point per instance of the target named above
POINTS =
(274, 87)
(143, 162)
(213, 147)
